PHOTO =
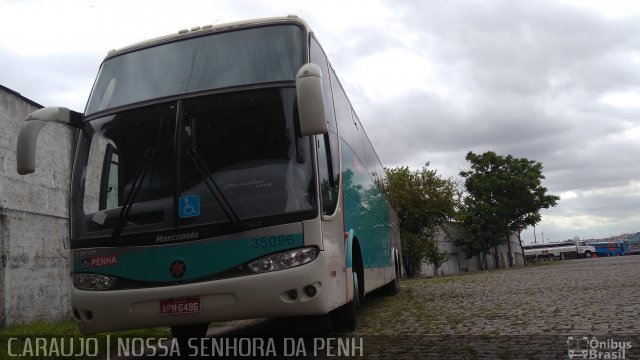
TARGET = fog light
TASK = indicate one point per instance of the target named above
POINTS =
(293, 294)
(310, 290)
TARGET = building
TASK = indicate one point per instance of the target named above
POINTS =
(458, 263)
(34, 211)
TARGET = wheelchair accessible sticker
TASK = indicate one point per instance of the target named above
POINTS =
(189, 206)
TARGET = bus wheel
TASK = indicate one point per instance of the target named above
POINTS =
(344, 317)
(393, 288)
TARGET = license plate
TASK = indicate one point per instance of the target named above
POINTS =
(180, 306)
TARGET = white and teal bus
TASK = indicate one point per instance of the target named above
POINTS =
(221, 173)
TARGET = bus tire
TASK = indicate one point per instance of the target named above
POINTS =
(393, 288)
(344, 317)
(587, 254)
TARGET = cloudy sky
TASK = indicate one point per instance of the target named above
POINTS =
(553, 81)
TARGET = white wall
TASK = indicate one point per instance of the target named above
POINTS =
(34, 211)
(458, 263)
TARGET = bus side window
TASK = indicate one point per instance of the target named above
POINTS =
(109, 179)
(319, 58)
(327, 144)
(328, 183)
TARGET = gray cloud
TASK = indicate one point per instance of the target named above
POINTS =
(531, 76)
(52, 79)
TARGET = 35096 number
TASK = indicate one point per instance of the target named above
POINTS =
(272, 241)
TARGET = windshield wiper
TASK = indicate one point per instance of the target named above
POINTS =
(197, 161)
(144, 166)
(141, 172)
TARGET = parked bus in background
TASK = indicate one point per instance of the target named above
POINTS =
(611, 248)
(560, 250)
(221, 173)
(634, 244)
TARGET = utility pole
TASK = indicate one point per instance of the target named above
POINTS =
(535, 240)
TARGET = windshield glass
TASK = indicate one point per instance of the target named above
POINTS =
(247, 56)
(215, 159)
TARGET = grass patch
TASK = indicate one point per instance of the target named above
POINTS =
(64, 328)
(532, 263)
(68, 328)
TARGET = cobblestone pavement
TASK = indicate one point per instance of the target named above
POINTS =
(528, 312)
(589, 306)
(594, 296)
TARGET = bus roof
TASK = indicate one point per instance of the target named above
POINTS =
(206, 30)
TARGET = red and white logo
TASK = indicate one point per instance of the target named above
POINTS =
(97, 261)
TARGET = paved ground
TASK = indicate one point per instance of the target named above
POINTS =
(536, 312)
(592, 296)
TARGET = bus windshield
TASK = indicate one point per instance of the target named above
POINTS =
(214, 159)
(234, 58)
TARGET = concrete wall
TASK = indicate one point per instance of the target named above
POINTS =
(34, 211)
(458, 263)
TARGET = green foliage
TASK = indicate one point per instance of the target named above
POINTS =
(435, 256)
(65, 327)
(504, 196)
(424, 202)
(413, 252)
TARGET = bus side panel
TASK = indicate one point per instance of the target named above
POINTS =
(366, 211)
(367, 216)
(338, 268)
(333, 239)
(611, 248)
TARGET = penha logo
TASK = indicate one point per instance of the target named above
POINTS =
(95, 261)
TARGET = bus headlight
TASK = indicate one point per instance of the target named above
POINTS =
(93, 281)
(283, 260)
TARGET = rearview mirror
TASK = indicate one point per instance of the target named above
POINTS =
(310, 100)
(28, 137)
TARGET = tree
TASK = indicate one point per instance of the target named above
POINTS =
(424, 202)
(435, 256)
(504, 196)
(485, 229)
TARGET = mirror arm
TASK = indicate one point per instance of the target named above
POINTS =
(75, 119)
(27, 139)
(57, 115)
